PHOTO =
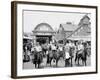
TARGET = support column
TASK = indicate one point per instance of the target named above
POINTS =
(34, 39)
(53, 39)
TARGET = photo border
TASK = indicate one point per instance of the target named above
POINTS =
(14, 37)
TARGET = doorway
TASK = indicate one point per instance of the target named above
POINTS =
(43, 39)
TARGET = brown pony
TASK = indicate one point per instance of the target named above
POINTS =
(38, 58)
(55, 56)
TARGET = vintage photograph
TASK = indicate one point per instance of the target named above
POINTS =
(56, 39)
(53, 39)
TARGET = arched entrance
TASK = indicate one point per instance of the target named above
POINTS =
(43, 39)
(43, 33)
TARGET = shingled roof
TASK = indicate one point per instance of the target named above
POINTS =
(83, 32)
(69, 26)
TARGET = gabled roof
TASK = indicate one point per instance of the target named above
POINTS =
(81, 32)
(85, 16)
(69, 26)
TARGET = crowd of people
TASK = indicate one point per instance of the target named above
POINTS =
(69, 50)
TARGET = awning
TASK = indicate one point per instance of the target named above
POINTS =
(30, 38)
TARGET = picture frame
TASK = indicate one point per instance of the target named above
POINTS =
(30, 16)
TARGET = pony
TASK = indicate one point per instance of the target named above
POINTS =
(38, 58)
(55, 56)
(44, 49)
(82, 55)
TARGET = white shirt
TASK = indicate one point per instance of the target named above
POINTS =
(61, 48)
(53, 47)
(32, 49)
(80, 47)
(71, 44)
(67, 55)
(38, 48)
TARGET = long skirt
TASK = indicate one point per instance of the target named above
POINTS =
(67, 56)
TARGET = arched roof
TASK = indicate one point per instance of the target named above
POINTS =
(43, 27)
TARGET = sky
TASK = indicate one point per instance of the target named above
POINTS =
(32, 18)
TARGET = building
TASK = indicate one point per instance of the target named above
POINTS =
(83, 32)
(65, 30)
(43, 33)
